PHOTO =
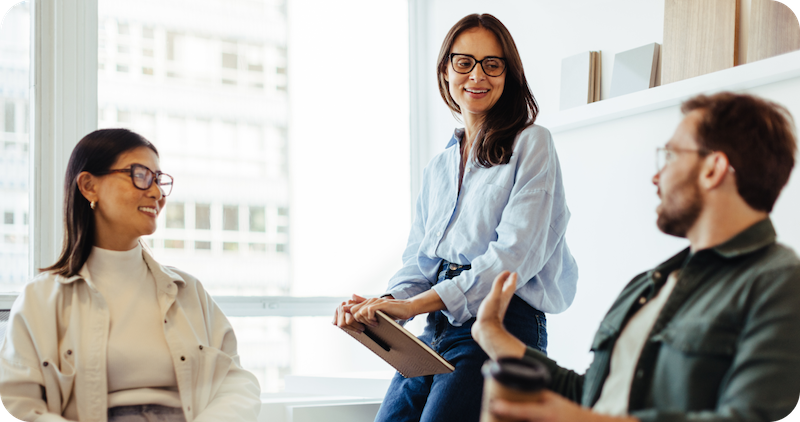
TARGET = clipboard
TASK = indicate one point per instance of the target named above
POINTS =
(401, 349)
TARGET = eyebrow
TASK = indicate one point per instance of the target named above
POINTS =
(484, 57)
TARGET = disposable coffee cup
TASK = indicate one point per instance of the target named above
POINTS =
(514, 380)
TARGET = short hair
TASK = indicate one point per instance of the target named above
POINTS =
(515, 110)
(757, 136)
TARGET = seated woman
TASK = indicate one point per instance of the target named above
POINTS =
(108, 333)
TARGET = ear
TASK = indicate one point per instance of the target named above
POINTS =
(714, 169)
(87, 184)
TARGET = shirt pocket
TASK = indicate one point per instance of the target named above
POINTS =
(59, 383)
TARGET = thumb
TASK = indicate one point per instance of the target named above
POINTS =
(510, 284)
(357, 298)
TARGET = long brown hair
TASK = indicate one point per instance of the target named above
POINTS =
(95, 153)
(514, 111)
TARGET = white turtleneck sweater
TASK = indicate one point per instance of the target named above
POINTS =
(140, 368)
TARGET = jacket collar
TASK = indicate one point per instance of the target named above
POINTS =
(165, 276)
(749, 240)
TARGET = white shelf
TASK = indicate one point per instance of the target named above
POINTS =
(751, 75)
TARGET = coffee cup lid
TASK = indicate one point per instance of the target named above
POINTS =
(523, 375)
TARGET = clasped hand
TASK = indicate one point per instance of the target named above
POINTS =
(359, 312)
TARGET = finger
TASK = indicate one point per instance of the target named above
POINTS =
(341, 314)
(352, 323)
(522, 411)
(335, 316)
(358, 299)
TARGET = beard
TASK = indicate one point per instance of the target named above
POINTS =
(680, 208)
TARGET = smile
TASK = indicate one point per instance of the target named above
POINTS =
(149, 210)
(476, 91)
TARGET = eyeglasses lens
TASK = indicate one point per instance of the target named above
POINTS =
(142, 177)
(465, 64)
(165, 183)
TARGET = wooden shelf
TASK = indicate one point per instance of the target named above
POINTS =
(763, 72)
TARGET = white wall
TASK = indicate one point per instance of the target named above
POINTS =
(607, 167)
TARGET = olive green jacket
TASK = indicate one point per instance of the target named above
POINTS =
(726, 345)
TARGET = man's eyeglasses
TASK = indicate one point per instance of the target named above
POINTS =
(666, 155)
(142, 178)
(464, 63)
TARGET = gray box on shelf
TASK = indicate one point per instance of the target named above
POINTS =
(580, 79)
(635, 70)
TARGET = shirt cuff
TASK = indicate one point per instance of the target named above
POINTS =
(455, 302)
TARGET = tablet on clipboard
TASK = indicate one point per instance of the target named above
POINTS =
(401, 349)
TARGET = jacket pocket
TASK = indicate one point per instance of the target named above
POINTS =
(58, 384)
(211, 366)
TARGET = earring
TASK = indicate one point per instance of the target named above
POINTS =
(92, 204)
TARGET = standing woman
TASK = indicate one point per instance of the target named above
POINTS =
(493, 200)
(108, 333)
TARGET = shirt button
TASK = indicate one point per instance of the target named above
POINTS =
(438, 234)
(640, 373)
(453, 267)
(183, 357)
(642, 300)
(45, 364)
(466, 169)
(657, 275)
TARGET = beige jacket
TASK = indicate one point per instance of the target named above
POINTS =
(53, 359)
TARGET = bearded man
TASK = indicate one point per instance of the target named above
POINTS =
(713, 333)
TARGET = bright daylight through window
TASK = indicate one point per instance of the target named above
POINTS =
(283, 170)
(14, 147)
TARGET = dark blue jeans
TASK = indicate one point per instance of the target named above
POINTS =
(456, 396)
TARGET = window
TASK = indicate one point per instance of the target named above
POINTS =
(175, 215)
(230, 217)
(14, 151)
(202, 217)
(213, 95)
(258, 222)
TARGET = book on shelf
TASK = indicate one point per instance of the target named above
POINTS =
(580, 79)
(635, 70)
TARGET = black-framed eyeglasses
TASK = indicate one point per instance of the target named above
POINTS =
(464, 63)
(142, 178)
(665, 155)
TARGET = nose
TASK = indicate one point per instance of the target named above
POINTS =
(155, 191)
(656, 178)
(477, 73)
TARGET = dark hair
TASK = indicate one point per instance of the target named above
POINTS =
(95, 153)
(756, 135)
(516, 108)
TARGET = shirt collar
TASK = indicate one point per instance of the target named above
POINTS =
(458, 135)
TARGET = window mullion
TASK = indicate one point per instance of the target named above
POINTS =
(64, 101)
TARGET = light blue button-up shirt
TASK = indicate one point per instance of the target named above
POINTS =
(507, 217)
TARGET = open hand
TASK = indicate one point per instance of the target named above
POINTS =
(488, 329)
